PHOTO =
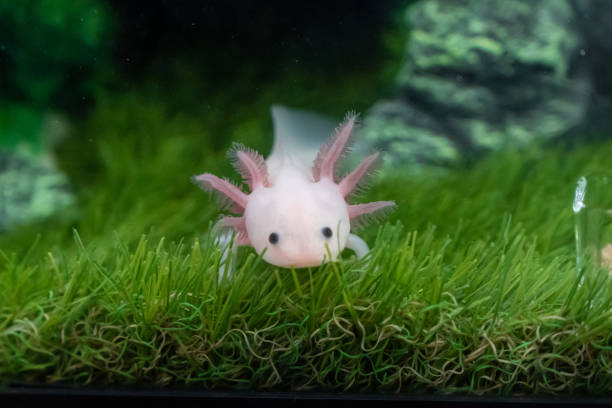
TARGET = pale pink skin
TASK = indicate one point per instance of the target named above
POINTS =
(296, 203)
(297, 210)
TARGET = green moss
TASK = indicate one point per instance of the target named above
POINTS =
(471, 285)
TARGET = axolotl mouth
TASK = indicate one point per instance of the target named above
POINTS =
(302, 257)
(306, 263)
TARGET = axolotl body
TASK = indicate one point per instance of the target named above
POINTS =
(297, 209)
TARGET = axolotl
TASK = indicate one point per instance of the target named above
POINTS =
(298, 212)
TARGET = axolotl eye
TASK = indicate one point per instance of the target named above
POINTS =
(327, 232)
(273, 238)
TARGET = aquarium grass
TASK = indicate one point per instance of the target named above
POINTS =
(471, 285)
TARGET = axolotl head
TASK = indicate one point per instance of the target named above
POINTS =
(297, 221)
(301, 225)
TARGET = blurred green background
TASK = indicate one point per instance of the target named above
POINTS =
(439, 83)
(63, 63)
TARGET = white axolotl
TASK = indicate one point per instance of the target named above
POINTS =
(297, 210)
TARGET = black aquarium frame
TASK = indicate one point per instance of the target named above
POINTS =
(18, 394)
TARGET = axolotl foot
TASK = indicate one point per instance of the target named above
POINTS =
(358, 245)
(228, 254)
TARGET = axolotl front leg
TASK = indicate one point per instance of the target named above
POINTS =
(229, 252)
(358, 245)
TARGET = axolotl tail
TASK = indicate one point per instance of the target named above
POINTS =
(298, 136)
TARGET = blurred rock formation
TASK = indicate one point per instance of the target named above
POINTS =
(483, 75)
(53, 58)
(31, 189)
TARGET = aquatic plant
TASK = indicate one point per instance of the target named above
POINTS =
(476, 286)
